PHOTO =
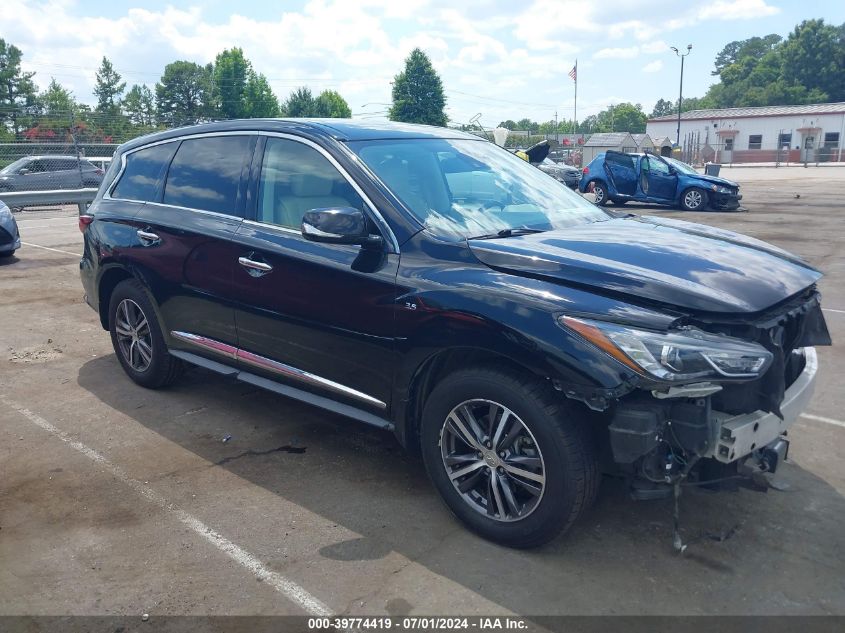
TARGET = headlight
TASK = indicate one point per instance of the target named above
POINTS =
(719, 189)
(679, 356)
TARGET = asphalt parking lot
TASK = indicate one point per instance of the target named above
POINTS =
(118, 500)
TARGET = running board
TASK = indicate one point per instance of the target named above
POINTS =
(285, 390)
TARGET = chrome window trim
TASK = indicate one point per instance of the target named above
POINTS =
(107, 195)
(376, 215)
(288, 371)
(274, 227)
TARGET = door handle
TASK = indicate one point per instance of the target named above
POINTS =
(147, 238)
(254, 268)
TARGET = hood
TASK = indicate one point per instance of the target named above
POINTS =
(724, 182)
(561, 168)
(684, 265)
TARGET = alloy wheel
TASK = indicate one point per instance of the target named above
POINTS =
(598, 192)
(692, 199)
(493, 460)
(133, 335)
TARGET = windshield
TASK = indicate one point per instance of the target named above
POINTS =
(461, 188)
(12, 168)
(682, 167)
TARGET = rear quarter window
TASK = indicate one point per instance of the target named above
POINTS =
(143, 173)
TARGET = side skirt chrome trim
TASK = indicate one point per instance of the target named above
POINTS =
(233, 353)
(286, 390)
(205, 343)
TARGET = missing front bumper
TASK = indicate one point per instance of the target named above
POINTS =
(740, 435)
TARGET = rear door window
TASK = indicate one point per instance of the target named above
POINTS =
(206, 173)
(143, 173)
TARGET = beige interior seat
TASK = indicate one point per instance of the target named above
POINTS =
(307, 191)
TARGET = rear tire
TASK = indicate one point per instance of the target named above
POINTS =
(538, 474)
(137, 338)
(600, 193)
(694, 199)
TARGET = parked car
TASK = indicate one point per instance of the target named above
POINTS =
(618, 177)
(41, 173)
(434, 285)
(10, 237)
(570, 176)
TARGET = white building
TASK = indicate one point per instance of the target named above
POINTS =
(766, 134)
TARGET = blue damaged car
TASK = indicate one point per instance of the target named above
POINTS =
(618, 177)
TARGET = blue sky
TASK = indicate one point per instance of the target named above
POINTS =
(502, 59)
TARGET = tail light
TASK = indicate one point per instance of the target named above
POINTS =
(84, 221)
(586, 170)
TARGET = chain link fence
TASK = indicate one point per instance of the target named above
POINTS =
(63, 151)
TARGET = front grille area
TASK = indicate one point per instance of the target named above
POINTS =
(785, 332)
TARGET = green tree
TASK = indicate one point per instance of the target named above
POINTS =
(139, 106)
(624, 117)
(814, 57)
(231, 74)
(56, 108)
(663, 107)
(56, 100)
(108, 87)
(17, 91)
(526, 124)
(183, 96)
(300, 103)
(259, 100)
(508, 125)
(418, 92)
(331, 105)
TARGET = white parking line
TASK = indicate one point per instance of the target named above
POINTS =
(55, 250)
(819, 418)
(832, 310)
(284, 586)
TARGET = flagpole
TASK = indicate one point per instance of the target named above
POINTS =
(575, 114)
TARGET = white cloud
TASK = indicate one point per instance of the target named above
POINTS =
(617, 53)
(501, 58)
(653, 67)
(737, 10)
(655, 47)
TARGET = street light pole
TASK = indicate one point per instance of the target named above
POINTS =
(681, 90)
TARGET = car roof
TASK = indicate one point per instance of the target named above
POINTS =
(339, 129)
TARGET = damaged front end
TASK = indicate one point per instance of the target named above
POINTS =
(716, 396)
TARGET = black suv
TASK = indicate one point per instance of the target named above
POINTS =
(430, 283)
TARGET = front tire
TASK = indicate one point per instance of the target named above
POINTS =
(137, 339)
(600, 193)
(694, 199)
(509, 457)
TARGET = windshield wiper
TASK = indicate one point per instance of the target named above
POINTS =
(507, 233)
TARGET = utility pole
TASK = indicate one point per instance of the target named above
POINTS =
(681, 90)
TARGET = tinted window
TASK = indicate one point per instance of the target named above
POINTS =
(143, 171)
(755, 141)
(206, 172)
(296, 178)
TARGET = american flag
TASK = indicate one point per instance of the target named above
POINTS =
(574, 72)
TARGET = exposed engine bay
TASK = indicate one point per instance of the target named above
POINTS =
(722, 435)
